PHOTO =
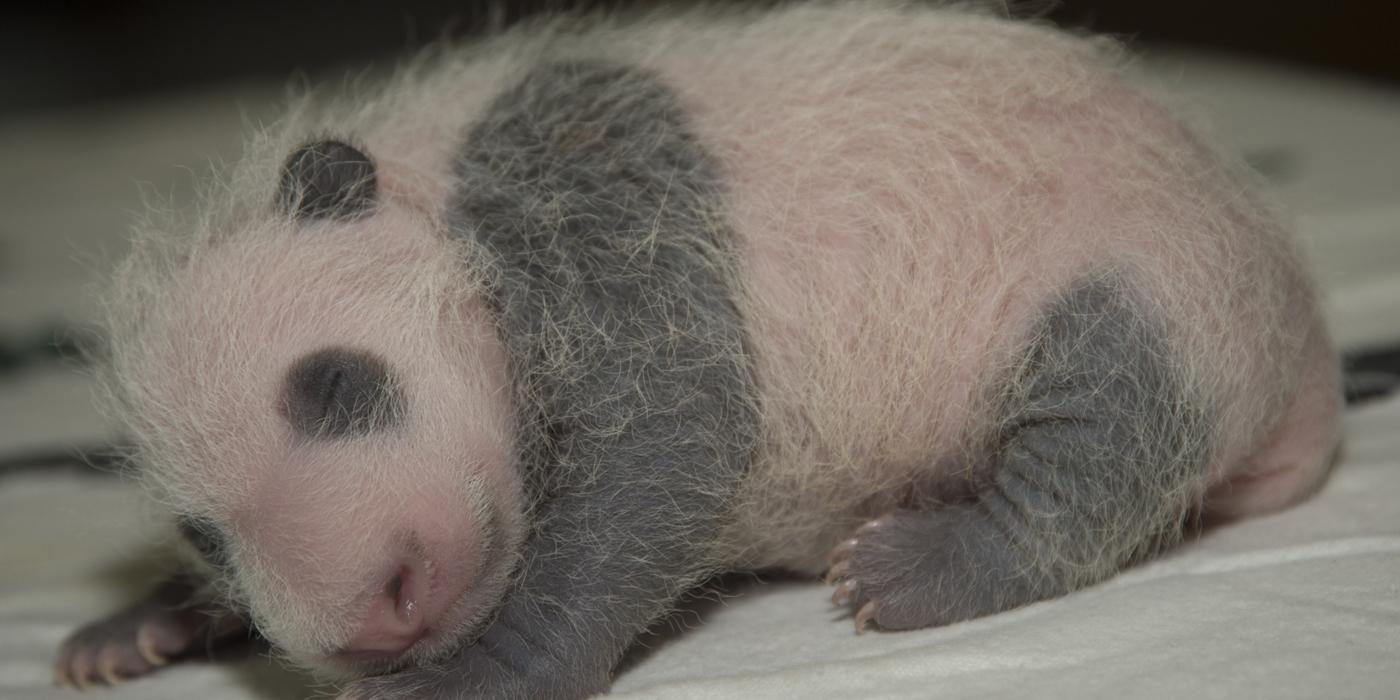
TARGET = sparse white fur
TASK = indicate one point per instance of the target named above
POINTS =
(909, 187)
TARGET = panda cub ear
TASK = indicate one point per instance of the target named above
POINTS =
(327, 180)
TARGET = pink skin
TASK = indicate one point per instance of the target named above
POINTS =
(412, 586)
(1293, 461)
(402, 610)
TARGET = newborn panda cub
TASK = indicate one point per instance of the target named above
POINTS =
(452, 389)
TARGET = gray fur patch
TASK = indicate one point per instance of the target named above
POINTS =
(610, 271)
(1093, 467)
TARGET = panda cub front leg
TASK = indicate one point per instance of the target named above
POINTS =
(618, 308)
(173, 621)
(1093, 461)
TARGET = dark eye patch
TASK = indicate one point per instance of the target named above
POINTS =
(327, 180)
(340, 392)
(206, 539)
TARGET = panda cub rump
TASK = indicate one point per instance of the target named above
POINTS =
(909, 226)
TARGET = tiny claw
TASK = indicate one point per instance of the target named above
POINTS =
(863, 617)
(81, 671)
(60, 676)
(875, 524)
(841, 551)
(146, 646)
(843, 592)
(837, 571)
(107, 668)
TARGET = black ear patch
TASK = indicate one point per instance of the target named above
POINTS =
(327, 180)
(340, 392)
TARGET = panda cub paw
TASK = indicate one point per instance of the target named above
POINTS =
(911, 568)
(121, 647)
(166, 626)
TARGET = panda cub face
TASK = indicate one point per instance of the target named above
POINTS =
(323, 404)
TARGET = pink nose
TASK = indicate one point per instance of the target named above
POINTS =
(396, 617)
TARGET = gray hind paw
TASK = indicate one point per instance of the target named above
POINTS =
(910, 569)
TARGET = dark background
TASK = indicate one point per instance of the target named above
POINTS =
(61, 54)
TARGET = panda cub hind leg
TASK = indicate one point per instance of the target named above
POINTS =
(1093, 466)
